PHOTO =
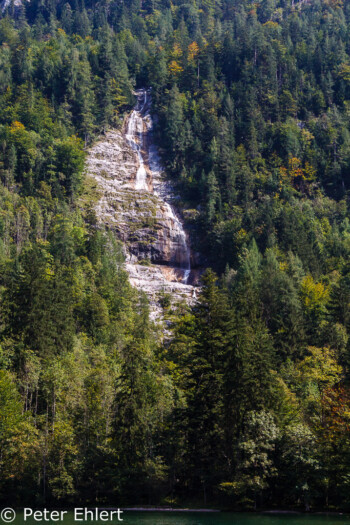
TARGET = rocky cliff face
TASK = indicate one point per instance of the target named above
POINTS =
(137, 203)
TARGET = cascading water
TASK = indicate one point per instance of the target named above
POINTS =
(139, 125)
(136, 204)
(134, 137)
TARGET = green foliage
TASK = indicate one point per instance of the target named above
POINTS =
(248, 404)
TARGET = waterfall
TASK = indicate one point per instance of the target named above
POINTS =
(134, 137)
(184, 255)
(137, 203)
(139, 125)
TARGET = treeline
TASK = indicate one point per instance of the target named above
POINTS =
(77, 348)
(253, 106)
(248, 405)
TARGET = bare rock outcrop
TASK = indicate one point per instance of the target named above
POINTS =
(136, 202)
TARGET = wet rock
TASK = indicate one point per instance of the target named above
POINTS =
(137, 203)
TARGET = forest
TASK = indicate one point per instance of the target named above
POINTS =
(247, 405)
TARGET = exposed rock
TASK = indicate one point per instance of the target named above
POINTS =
(137, 203)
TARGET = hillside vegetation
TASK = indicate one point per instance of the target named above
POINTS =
(249, 404)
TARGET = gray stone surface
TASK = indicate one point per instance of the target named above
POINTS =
(136, 202)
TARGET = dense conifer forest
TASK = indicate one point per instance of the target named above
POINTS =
(248, 404)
